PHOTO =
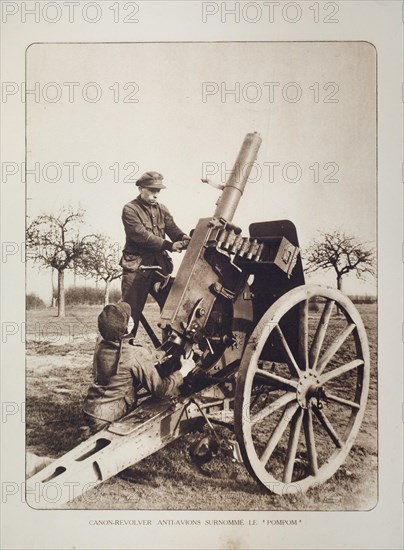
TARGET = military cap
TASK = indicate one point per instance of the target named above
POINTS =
(151, 180)
(113, 321)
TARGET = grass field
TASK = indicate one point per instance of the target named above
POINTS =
(58, 373)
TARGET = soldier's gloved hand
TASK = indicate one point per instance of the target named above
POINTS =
(186, 366)
(181, 245)
(185, 241)
(178, 246)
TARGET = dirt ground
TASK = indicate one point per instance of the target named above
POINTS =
(58, 373)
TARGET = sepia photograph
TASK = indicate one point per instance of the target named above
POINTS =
(201, 276)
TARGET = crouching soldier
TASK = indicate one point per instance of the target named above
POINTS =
(119, 366)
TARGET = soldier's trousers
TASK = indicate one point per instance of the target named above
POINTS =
(136, 286)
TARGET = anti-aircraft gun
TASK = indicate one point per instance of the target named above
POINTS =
(281, 364)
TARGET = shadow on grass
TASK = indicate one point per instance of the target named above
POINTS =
(53, 427)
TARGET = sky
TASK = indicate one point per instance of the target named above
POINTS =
(102, 114)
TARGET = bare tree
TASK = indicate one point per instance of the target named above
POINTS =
(341, 252)
(54, 289)
(54, 241)
(101, 261)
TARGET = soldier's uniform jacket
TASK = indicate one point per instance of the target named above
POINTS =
(118, 368)
(145, 228)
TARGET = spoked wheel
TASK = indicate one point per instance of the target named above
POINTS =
(301, 394)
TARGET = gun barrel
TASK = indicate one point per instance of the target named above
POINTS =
(237, 181)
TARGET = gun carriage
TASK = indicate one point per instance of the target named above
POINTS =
(282, 364)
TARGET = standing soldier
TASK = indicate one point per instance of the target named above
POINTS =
(146, 223)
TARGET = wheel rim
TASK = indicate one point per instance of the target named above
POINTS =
(296, 420)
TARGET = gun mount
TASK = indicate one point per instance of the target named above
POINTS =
(273, 364)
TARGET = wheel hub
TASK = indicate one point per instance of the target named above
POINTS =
(309, 387)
